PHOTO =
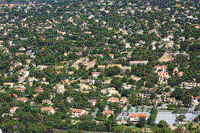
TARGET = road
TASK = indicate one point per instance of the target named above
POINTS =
(94, 114)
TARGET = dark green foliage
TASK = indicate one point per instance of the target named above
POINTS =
(152, 117)
(162, 124)
(142, 122)
(112, 71)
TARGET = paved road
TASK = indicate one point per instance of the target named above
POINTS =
(94, 114)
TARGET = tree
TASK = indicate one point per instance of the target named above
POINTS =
(117, 83)
(181, 117)
(74, 131)
(177, 93)
(197, 107)
(195, 91)
(99, 116)
(149, 84)
(167, 89)
(30, 91)
(42, 96)
(87, 125)
(165, 130)
(5, 107)
(128, 130)
(187, 99)
(162, 124)
(142, 122)
(5, 62)
(101, 127)
(152, 117)
(133, 99)
(112, 71)
(153, 95)
(7, 125)
(120, 128)
(111, 122)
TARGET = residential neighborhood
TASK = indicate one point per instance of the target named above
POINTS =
(99, 66)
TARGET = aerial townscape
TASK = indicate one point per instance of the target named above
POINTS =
(94, 66)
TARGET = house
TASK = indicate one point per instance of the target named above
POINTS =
(124, 68)
(78, 112)
(39, 90)
(98, 55)
(111, 55)
(24, 73)
(41, 67)
(107, 82)
(128, 45)
(48, 110)
(11, 68)
(101, 66)
(84, 87)
(17, 64)
(21, 89)
(75, 66)
(47, 102)
(95, 74)
(108, 113)
(135, 77)
(197, 98)
(146, 130)
(10, 84)
(123, 100)
(13, 109)
(93, 102)
(166, 39)
(31, 79)
(60, 88)
(135, 117)
(113, 100)
(104, 91)
(112, 65)
(69, 99)
(58, 67)
(28, 61)
(112, 91)
(13, 95)
(138, 62)
(23, 99)
(22, 49)
(83, 81)
(180, 74)
(189, 85)
(160, 68)
(46, 83)
(17, 54)
(70, 72)
(65, 81)
(127, 86)
(87, 32)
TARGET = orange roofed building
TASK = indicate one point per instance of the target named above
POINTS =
(135, 117)
(108, 113)
(48, 110)
(23, 99)
(113, 99)
(78, 112)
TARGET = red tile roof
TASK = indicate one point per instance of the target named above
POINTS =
(138, 115)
